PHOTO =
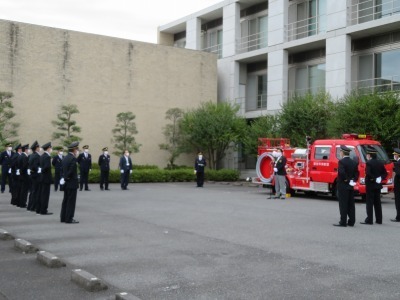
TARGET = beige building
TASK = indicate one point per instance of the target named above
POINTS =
(46, 67)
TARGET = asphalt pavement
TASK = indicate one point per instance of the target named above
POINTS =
(223, 241)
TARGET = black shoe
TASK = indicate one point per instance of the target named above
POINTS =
(394, 220)
(351, 225)
(80, 190)
(107, 189)
(47, 214)
(101, 188)
(2, 192)
(380, 223)
(366, 223)
(87, 190)
(340, 225)
(72, 222)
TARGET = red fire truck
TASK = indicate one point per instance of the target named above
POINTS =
(314, 169)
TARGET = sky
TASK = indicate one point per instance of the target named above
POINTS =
(130, 19)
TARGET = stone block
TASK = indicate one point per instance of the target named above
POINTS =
(125, 296)
(5, 235)
(49, 260)
(87, 281)
(25, 246)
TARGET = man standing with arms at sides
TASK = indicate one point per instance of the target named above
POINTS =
(23, 177)
(57, 164)
(70, 177)
(85, 163)
(5, 162)
(46, 178)
(280, 175)
(34, 167)
(15, 175)
(104, 164)
(199, 165)
(125, 165)
(396, 155)
(346, 180)
(375, 172)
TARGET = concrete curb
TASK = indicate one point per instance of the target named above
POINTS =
(5, 235)
(125, 296)
(25, 246)
(87, 281)
(49, 260)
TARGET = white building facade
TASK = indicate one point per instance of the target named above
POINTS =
(270, 50)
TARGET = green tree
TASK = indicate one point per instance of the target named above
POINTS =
(375, 114)
(66, 126)
(213, 128)
(8, 129)
(175, 143)
(306, 115)
(123, 133)
(265, 126)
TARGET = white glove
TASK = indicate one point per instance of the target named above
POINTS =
(130, 171)
(62, 181)
(39, 170)
(122, 171)
(28, 171)
(9, 171)
(194, 171)
(378, 180)
(352, 183)
(275, 169)
(90, 170)
(17, 172)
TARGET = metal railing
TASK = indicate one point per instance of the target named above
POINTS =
(362, 11)
(306, 27)
(377, 85)
(252, 42)
(302, 92)
(217, 49)
(245, 105)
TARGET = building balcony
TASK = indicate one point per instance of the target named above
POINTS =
(302, 92)
(377, 85)
(252, 104)
(306, 27)
(362, 11)
(217, 49)
(252, 42)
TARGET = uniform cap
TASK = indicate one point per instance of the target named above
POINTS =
(396, 151)
(17, 147)
(57, 148)
(85, 147)
(345, 149)
(24, 147)
(200, 153)
(34, 145)
(73, 145)
(105, 149)
(46, 146)
(8, 145)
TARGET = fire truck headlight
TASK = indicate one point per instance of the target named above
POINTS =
(362, 180)
(390, 181)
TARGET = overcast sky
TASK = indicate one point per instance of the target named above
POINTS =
(130, 19)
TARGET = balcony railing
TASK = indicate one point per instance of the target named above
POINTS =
(247, 105)
(362, 11)
(306, 27)
(217, 49)
(252, 42)
(302, 92)
(377, 85)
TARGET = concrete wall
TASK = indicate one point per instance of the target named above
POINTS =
(46, 67)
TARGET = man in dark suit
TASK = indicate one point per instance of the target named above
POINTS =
(34, 167)
(23, 166)
(15, 173)
(5, 162)
(57, 164)
(199, 165)
(280, 174)
(104, 164)
(125, 165)
(85, 164)
(396, 155)
(70, 179)
(46, 178)
(346, 180)
(375, 172)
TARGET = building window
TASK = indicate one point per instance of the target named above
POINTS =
(379, 72)
(368, 10)
(306, 18)
(254, 34)
(256, 93)
(306, 79)
(180, 39)
(212, 41)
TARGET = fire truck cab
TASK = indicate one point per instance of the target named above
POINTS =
(314, 169)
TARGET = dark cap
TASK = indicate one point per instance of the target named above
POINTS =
(105, 149)
(73, 145)
(85, 147)
(396, 151)
(46, 146)
(8, 145)
(17, 147)
(200, 153)
(371, 150)
(345, 149)
(24, 147)
(34, 145)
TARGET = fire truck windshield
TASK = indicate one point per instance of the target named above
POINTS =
(381, 155)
